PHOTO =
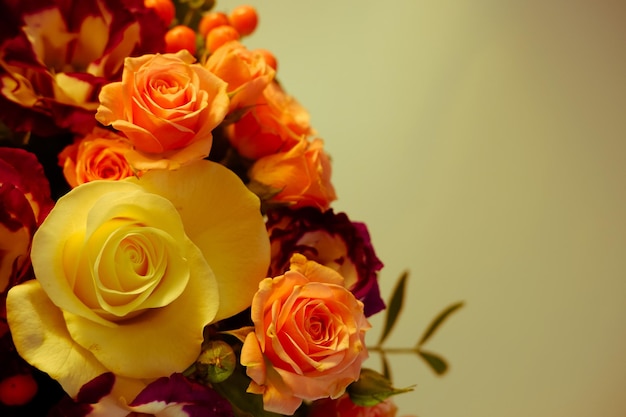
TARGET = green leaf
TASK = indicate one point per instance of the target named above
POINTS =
(244, 404)
(263, 191)
(436, 362)
(434, 325)
(394, 307)
(372, 388)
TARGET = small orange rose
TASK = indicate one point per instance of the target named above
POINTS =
(302, 174)
(245, 71)
(275, 124)
(308, 338)
(97, 156)
(167, 106)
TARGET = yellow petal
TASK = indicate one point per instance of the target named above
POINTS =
(159, 341)
(18, 88)
(73, 91)
(41, 338)
(222, 217)
(57, 244)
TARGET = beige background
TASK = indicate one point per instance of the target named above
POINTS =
(484, 144)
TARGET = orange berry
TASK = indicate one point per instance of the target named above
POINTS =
(244, 19)
(17, 389)
(219, 36)
(210, 21)
(165, 9)
(270, 59)
(180, 37)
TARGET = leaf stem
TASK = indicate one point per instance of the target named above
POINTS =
(382, 349)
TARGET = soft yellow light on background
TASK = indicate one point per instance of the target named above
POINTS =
(484, 143)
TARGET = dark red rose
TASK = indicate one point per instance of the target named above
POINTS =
(332, 240)
(24, 203)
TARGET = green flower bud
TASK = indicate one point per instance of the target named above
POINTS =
(216, 362)
(372, 388)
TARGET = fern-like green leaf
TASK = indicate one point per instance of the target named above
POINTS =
(394, 307)
(436, 362)
(434, 325)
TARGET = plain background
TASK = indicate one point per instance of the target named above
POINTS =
(484, 143)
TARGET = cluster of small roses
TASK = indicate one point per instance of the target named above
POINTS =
(157, 246)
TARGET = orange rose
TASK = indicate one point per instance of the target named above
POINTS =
(97, 156)
(245, 71)
(302, 174)
(167, 106)
(275, 124)
(308, 339)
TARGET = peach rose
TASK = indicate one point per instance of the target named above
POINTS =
(275, 124)
(130, 272)
(97, 156)
(302, 175)
(167, 106)
(245, 71)
(308, 339)
(344, 407)
(330, 239)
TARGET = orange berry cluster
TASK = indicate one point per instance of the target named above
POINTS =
(216, 28)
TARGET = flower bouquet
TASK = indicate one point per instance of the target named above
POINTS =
(168, 246)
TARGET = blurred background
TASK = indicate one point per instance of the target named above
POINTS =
(484, 144)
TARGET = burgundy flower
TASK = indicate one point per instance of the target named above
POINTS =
(177, 393)
(166, 396)
(55, 55)
(88, 399)
(24, 203)
(344, 407)
(332, 240)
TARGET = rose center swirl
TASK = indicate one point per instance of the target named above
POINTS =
(136, 268)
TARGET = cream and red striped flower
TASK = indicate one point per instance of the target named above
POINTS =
(56, 55)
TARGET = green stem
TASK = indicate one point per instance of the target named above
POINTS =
(392, 350)
(188, 16)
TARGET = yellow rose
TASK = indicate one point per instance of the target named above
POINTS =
(130, 272)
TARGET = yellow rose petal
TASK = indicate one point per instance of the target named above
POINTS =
(41, 338)
(57, 247)
(158, 341)
(222, 217)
